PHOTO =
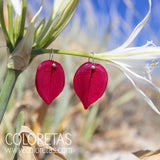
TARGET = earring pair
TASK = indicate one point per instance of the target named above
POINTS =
(89, 82)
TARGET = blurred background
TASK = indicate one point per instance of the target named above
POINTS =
(117, 124)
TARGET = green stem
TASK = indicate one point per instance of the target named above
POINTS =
(36, 52)
(6, 91)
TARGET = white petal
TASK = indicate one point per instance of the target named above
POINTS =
(17, 6)
(146, 98)
(136, 64)
(137, 59)
(137, 29)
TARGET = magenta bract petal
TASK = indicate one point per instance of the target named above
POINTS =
(90, 84)
(50, 80)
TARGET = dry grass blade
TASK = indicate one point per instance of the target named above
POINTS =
(148, 155)
(28, 134)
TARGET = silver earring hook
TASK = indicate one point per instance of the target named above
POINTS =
(89, 58)
(93, 64)
(51, 55)
(93, 57)
(51, 58)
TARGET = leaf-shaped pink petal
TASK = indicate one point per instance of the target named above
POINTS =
(90, 83)
(50, 80)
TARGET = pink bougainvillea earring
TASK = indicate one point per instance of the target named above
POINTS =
(90, 82)
(50, 79)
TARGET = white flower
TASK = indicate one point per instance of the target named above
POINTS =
(135, 62)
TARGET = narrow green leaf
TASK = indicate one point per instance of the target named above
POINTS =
(39, 29)
(53, 15)
(10, 20)
(45, 30)
(4, 29)
(60, 23)
(56, 33)
(58, 29)
(16, 27)
(23, 18)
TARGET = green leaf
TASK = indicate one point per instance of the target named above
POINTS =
(39, 29)
(59, 24)
(55, 11)
(10, 20)
(16, 27)
(3, 26)
(23, 18)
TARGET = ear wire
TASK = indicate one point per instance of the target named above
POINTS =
(51, 57)
(93, 64)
